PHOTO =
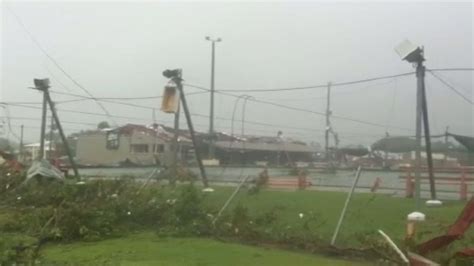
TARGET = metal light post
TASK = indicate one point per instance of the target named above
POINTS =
(211, 116)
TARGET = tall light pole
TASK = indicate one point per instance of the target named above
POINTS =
(211, 116)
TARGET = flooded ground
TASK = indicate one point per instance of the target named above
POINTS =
(341, 180)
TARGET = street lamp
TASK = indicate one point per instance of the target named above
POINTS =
(211, 116)
(415, 55)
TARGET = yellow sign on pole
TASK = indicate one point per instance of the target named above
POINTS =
(170, 100)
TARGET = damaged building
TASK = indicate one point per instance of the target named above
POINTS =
(129, 145)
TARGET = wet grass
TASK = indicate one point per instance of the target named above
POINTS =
(366, 213)
(149, 249)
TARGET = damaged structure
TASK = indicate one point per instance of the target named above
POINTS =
(132, 145)
(129, 145)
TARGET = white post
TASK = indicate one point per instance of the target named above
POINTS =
(343, 213)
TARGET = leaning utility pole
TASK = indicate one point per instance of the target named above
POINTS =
(50, 146)
(419, 111)
(429, 156)
(415, 55)
(328, 122)
(175, 138)
(43, 86)
(176, 76)
(61, 133)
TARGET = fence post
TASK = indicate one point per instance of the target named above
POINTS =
(463, 191)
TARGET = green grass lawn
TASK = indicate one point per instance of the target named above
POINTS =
(149, 249)
(366, 213)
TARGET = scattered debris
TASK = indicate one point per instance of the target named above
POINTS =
(390, 242)
(43, 170)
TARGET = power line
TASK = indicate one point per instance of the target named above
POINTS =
(62, 121)
(452, 69)
(35, 41)
(7, 114)
(106, 98)
(337, 84)
(194, 114)
(304, 110)
(450, 87)
(80, 112)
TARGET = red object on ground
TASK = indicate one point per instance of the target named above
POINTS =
(417, 260)
(455, 231)
(468, 252)
(15, 166)
(301, 181)
(376, 185)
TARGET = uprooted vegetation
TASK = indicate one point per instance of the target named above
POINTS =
(34, 214)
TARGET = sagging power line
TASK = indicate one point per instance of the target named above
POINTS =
(450, 86)
(304, 110)
(40, 47)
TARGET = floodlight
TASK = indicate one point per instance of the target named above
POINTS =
(409, 52)
(171, 73)
(41, 83)
(208, 38)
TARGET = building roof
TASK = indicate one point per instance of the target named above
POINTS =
(264, 146)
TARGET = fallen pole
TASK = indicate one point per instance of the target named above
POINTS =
(343, 213)
(237, 189)
(390, 242)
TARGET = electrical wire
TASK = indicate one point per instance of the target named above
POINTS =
(304, 110)
(7, 115)
(36, 42)
(450, 87)
(62, 121)
(337, 84)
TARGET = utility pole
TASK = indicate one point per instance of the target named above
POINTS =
(385, 159)
(328, 122)
(415, 55)
(43, 88)
(211, 116)
(446, 144)
(419, 111)
(176, 76)
(51, 139)
(426, 124)
(61, 133)
(175, 138)
(21, 145)
(43, 85)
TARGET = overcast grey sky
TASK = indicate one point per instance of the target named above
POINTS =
(119, 49)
